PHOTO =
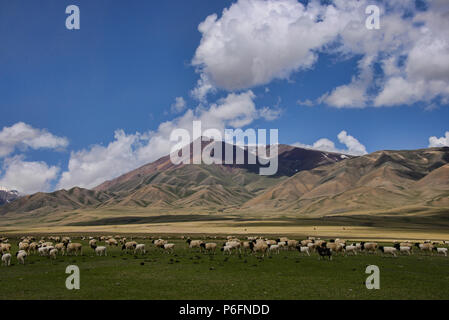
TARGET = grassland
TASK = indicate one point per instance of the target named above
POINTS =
(188, 274)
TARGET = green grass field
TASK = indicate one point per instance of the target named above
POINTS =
(188, 274)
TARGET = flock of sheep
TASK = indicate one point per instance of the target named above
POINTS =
(57, 245)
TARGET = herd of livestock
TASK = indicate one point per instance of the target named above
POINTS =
(53, 246)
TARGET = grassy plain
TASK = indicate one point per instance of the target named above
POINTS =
(188, 274)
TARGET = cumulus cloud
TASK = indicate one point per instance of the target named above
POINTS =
(439, 142)
(22, 136)
(353, 146)
(179, 105)
(90, 167)
(256, 41)
(27, 176)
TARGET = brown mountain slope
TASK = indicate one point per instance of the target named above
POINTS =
(162, 184)
(379, 181)
(61, 200)
(291, 160)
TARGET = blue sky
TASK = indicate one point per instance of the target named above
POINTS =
(129, 61)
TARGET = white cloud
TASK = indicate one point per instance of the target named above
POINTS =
(90, 167)
(22, 136)
(256, 41)
(27, 177)
(203, 88)
(346, 96)
(270, 114)
(353, 146)
(179, 105)
(439, 142)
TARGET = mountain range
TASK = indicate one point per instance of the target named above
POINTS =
(309, 183)
(6, 196)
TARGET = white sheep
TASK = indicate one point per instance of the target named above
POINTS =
(140, 248)
(169, 247)
(44, 251)
(52, 253)
(194, 243)
(6, 259)
(226, 249)
(351, 249)
(303, 249)
(441, 251)
(101, 251)
(274, 248)
(388, 250)
(405, 249)
(21, 255)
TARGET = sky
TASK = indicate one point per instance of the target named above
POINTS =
(81, 106)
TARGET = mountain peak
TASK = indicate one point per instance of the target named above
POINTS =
(7, 196)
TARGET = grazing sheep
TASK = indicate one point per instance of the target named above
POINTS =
(33, 247)
(74, 247)
(112, 242)
(47, 244)
(24, 245)
(258, 246)
(246, 246)
(335, 247)
(6, 259)
(319, 243)
(209, 247)
(274, 248)
(43, 251)
(351, 249)
(227, 249)
(441, 251)
(427, 246)
(369, 246)
(128, 246)
(405, 244)
(305, 243)
(291, 244)
(235, 244)
(5, 247)
(323, 251)
(311, 246)
(194, 243)
(302, 249)
(159, 243)
(21, 255)
(282, 244)
(401, 249)
(93, 244)
(169, 247)
(140, 248)
(101, 251)
(388, 250)
(52, 253)
(60, 247)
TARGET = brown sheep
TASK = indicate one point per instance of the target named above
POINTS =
(74, 247)
(210, 247)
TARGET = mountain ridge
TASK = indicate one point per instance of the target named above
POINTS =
(311, 184)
